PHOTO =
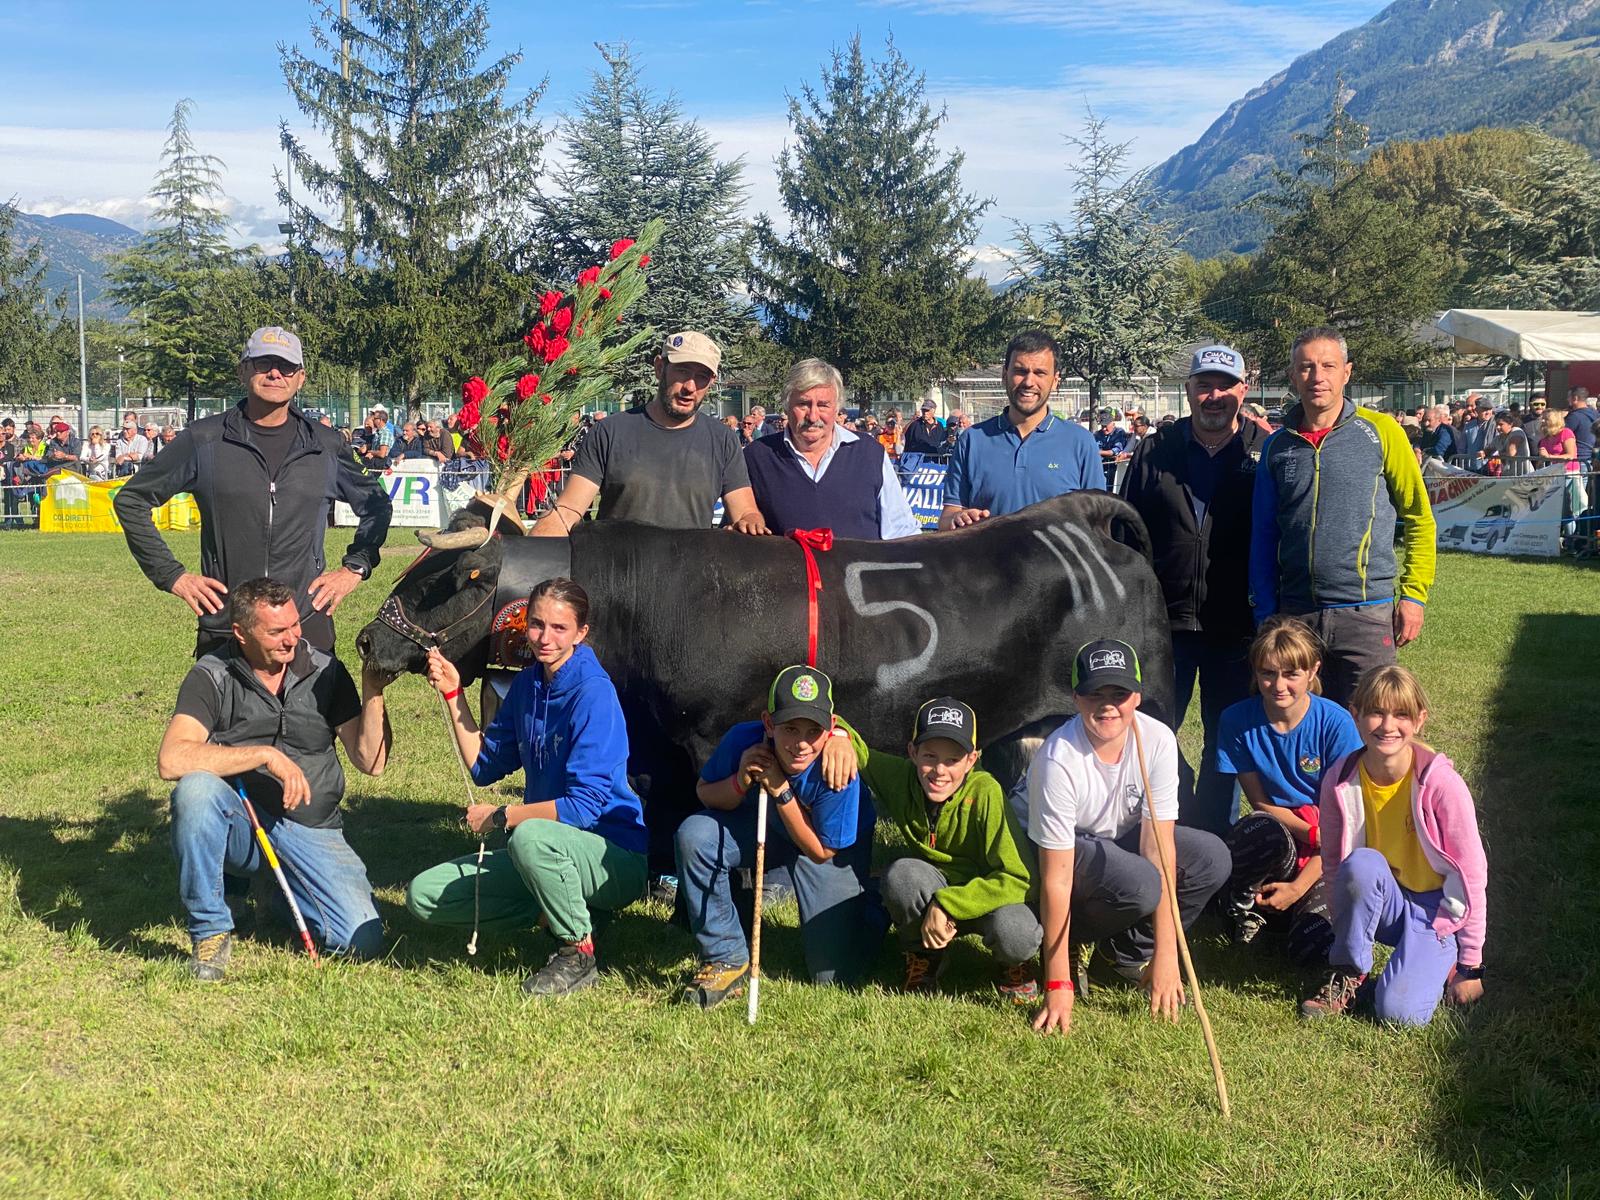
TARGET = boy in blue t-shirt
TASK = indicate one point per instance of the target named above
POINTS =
(823, 835)
(1279, 744)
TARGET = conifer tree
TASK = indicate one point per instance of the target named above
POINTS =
(1111, 282)
(433, 164)
(630, 156)
(1342, 254)
(177, 281)
(1539, 242)
(30, 318)
(872, 272)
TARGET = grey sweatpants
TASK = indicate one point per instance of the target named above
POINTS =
(1011, 932)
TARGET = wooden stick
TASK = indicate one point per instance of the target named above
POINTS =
(466, 781)
(754, 1001)
(1169, 885)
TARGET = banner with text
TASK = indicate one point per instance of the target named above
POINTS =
(413, 486)
(74, 503)
(1489, 515)
(924, 488)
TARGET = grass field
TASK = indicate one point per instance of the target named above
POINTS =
(429, 1075)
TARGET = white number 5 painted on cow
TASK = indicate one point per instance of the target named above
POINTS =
(892, 675)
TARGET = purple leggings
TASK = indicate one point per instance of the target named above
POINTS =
(1369, 905)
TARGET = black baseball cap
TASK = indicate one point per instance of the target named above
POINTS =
(801, 692)
(946, 717)
(1106, 663)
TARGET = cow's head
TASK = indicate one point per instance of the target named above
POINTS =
(443, 598)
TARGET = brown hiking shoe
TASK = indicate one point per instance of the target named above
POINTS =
(715, 982)
(1335, 995)
(1018, 983)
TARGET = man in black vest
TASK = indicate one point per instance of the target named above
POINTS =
(817, 474)
(264, 712)
(1192, 482)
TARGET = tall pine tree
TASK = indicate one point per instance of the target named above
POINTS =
(872, 273)
(1111, 282)
(434, 166)
(1342, 253)
(176, 280)
(31, 320)
(630, 155)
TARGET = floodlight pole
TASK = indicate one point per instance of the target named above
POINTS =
(83, 370)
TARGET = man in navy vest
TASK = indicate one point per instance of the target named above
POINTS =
(819, 475)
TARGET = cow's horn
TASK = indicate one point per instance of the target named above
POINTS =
(456, 539)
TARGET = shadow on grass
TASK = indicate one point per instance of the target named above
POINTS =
(1519, 1111)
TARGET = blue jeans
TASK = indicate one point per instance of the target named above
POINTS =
(1223, 670)
(211, 835)
(839, 925)
(1369, 905)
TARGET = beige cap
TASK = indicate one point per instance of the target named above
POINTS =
(691, 347)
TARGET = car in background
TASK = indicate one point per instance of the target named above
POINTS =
(1495, 525)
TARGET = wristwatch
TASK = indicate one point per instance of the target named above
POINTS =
(1469, 972)
(784, 795)
(359, 567)
(498, 818)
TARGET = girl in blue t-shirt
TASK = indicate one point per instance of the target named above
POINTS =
(1279, 743)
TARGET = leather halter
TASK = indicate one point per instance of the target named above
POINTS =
(393, 614)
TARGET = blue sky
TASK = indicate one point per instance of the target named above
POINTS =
(86, 87)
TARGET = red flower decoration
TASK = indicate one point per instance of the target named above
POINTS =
(535, 339)
(578, 331)
(469, 416)
(572, 370)
(545, 399)
(620, 247)
(502, 447)
(474, 391)
(644, 262)
(555, 348)
(527, 386)
(588, 277)
(561, 320)
(605, 293)
(549, 302)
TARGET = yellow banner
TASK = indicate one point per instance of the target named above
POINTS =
(75, 504)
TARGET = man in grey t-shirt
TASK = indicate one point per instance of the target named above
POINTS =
(661, 464)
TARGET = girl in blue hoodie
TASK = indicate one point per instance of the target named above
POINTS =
(577, 841)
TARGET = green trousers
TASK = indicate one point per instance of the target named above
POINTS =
(547, 870)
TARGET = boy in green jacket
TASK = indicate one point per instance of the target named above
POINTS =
(965, 874)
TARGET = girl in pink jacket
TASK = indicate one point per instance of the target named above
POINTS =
(1402, 862)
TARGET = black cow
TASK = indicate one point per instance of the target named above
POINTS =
(692, 625)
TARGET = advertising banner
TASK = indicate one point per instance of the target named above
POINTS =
(413, 486)
(924, 488)
(1488, 515)
(74, 503)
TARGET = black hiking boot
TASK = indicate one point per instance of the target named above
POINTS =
(208, 958)
(568, 970)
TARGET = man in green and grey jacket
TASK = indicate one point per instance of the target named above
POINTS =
(1332, 485)
(965, 874)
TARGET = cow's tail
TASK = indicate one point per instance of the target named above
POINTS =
(1115, 518)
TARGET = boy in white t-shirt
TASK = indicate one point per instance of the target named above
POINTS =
(1098, 878)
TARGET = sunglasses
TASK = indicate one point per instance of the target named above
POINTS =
(261, 366)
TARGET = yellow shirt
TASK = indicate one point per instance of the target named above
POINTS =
(1392, 832)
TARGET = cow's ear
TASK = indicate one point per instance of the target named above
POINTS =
(482, 564)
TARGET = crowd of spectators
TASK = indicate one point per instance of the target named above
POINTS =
(31, 454)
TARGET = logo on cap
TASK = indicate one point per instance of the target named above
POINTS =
(1108, 660)
(805, 688)
(272, 338)
(677, 340)
(947, 716)
(1219, 358)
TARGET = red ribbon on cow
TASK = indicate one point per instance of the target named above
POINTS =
(809, 540)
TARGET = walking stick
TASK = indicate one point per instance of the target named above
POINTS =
(755, 922)
(1169, 885)
(466, 780)
(277, 869)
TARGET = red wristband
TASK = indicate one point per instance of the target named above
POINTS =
(453, 694)
(1057, 985)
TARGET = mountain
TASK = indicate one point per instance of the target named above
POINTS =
(74, 242)
(1419, 69)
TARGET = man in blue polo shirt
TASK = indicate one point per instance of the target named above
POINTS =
(1024, 454)
(823, 835)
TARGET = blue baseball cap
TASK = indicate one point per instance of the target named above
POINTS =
(1224, 360)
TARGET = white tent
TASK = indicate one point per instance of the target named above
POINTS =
(1528, 335)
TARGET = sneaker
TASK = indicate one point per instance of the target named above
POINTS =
(1247, 924)
(208, 959)
(1078, 954)
(922, 972)
(566, 971)
(1335, 996)
(1018, 983)
(715, 982)
(664, 890)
